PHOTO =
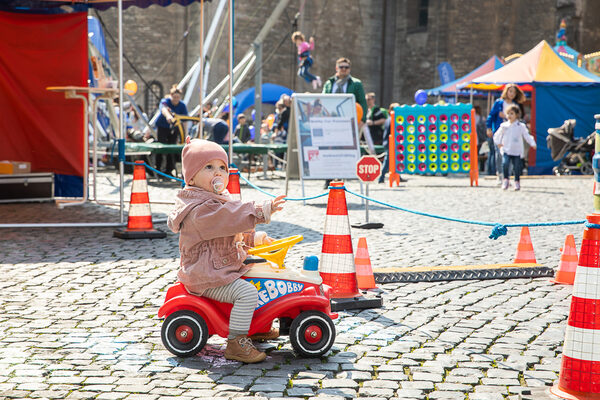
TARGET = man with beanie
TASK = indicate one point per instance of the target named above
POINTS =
(215, 235)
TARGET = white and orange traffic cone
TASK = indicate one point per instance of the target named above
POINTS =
(525, 252)
(234, 184)
(337, 259)
(139, 221)
(568, 263)
(580, 369)
(364, 270)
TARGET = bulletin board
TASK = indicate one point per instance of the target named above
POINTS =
(431, 139)
(324, 134)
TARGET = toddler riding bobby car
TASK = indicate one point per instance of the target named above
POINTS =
(298, 298)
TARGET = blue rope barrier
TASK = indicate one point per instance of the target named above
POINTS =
(286, 198)
(497, 230)
(156, 171)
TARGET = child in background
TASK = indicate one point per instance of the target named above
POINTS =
(509, 139)
(305, 61)
(215, 234)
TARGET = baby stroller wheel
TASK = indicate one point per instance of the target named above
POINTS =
(312, 333)
(586, 169)
(184, 333)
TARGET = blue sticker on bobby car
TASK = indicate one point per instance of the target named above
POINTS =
(271, 289)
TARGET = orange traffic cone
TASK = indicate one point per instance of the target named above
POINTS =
(525, 252)
(337, 259)
(568, 263)
(139, 222)
(362, 261)
(234, 184)
(580, 369)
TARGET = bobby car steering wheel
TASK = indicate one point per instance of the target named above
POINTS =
(277, 250)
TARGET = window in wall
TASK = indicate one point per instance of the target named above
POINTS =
(417, 12)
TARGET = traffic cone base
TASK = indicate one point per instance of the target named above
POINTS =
(362, 261)
(568, 263)
(139, 222)
(525, 252)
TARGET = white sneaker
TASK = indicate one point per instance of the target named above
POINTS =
(505, 184)
(517, 185)
(314, 84)
(319, 83)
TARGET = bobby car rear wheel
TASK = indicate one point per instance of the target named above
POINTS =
(184, 333)
(312, 333)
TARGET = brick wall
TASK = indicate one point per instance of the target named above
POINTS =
(462, 32)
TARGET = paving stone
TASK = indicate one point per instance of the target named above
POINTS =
(88, 327)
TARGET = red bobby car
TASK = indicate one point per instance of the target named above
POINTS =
(298, 298)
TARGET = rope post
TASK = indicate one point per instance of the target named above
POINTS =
(596, 166)
(474, 154)
(394, 177)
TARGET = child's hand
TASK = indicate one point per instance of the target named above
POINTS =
(312, 39)
(268, 240)
(277, 203)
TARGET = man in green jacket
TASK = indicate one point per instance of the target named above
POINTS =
(343, 82)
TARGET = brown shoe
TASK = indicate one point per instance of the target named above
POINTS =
(241, 349)
(272, 334)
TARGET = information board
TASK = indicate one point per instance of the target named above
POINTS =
(432, 139)
(324, 133)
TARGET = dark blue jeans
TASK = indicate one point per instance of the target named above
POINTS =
(516, 162)
(303, 71)
(491, 160)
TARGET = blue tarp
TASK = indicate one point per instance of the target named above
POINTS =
(555, 104)
(270, 94)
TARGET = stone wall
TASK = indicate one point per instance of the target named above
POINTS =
(462, 32)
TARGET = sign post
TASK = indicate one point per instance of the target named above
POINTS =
(368, 169)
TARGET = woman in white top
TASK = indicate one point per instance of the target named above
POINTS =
(509, 139)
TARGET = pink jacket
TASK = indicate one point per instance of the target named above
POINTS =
(305, 46)
(215, 233)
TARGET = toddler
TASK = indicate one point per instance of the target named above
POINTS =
(509, 139)
(305, 61)
(215, 232)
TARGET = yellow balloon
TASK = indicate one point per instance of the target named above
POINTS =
(270, 120)
(131, 87)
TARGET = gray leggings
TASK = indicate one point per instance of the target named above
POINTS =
(244, 297)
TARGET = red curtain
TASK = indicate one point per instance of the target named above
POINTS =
(36, 125)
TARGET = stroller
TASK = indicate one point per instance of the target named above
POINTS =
(575, 154)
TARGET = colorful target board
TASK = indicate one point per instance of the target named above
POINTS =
(431, 139)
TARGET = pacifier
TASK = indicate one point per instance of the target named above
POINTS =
(218, 184)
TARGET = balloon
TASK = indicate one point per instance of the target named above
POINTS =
(270, 120)
(420, 97)
(253, 115)
(130, 87)
(359, 112)
(252, 132)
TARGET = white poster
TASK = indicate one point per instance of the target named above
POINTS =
(327, 132)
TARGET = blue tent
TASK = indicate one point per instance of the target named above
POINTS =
(455, 87)
(270, 94)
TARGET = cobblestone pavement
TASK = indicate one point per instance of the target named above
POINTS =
(78, 307)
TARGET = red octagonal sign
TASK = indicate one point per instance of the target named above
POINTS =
(368, 168)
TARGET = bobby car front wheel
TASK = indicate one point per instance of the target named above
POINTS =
(184, 333)
(312, 333)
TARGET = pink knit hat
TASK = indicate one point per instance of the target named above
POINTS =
(197, 153)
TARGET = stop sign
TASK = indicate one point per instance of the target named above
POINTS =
(368, 168)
